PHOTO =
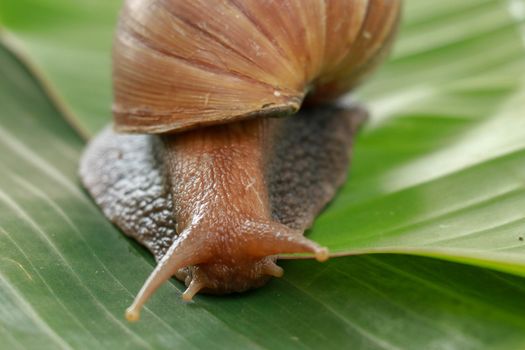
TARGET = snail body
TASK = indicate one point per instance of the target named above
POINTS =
(218, 186)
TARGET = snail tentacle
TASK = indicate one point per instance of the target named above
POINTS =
(183, 252)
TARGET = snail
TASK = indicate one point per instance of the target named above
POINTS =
(227, 141)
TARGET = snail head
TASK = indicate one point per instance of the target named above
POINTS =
(247, 257)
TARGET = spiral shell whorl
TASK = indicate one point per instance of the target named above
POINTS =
(179, 64)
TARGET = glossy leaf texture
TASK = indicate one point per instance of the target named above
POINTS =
(439, 172)
(67, 44)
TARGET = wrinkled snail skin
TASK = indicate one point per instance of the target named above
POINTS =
(221, 186)
(303, 166)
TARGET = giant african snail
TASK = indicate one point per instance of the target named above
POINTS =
(219, 187)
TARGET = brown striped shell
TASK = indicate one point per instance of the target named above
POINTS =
(179, 64)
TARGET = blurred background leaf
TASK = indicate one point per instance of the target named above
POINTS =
(67, 45)
(439, 171)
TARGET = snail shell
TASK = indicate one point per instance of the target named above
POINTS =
(184, 64)
(224, 190)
